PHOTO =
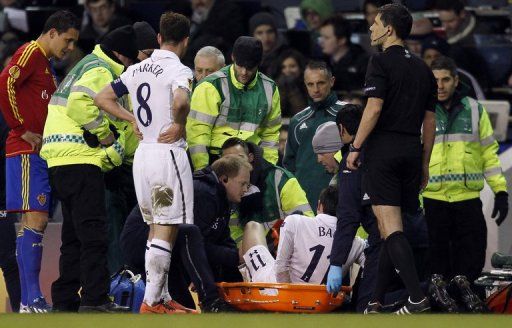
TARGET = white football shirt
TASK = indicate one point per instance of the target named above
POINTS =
(151, 84)
(305, 245)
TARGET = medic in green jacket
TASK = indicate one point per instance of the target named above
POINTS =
(237, 101)
(73, 115)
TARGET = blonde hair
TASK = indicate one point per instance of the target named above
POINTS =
(230, 165)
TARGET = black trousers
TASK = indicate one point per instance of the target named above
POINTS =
(458, 237)
(120, 198)
(189, 262)
(83, 259)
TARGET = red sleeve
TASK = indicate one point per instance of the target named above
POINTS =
(19, 69)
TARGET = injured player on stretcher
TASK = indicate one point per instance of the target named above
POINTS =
(304, 247)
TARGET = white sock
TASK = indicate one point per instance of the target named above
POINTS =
(166, 297)
(158, 259)
(148, 245)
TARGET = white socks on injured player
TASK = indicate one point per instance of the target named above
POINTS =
(158, 259)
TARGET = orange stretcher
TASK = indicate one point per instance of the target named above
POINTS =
(279, 297)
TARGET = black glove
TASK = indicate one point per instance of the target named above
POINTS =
(90, 139)
(501, 206)
(113, 129)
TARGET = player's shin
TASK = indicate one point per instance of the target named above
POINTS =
(157, 266)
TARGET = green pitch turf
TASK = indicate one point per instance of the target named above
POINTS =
(250, 320)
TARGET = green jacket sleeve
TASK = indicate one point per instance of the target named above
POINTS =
(269, 130)
(81, 106)
(204, 109)
(489, 151)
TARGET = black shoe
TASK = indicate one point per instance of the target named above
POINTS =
(439, 295)
(105, 308)
(412, 308)
(373, 308)
(393, 307)
(462, 288)
(218, 305)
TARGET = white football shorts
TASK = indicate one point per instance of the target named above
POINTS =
(163, 184)
(260, 263)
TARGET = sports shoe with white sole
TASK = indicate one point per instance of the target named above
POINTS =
(373, 308)
(24, 309)
(40, 306)
(413, 308)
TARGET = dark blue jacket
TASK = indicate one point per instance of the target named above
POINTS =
(211, 215)
(353, 210)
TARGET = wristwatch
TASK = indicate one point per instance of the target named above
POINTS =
(353, 149)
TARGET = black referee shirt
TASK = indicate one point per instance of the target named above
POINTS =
(407, 86)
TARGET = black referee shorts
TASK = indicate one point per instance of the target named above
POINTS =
(393, 180)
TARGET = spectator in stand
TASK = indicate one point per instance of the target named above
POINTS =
(348, 61)
(421, 28)
(215, 23)
(8, 51)
(435, 47)
(461, 26)
(313, 13)
(263, 27)
(103, 17)
(370, 9)
(294, 97)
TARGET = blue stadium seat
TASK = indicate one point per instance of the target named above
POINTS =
(498, 60)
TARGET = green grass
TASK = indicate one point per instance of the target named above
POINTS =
(339, 320)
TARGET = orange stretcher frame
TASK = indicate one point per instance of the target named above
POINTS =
(279, 297)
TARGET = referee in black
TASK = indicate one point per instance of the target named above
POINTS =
(401, 94)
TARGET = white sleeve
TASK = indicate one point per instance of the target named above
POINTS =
(356, 254)
(182, 79)
(285, 248)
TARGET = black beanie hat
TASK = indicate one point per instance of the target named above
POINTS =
(146, 36)
(247, 52)
(262, 19)
(437, 43)
(121, 40)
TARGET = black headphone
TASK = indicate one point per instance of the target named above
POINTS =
(380, 37)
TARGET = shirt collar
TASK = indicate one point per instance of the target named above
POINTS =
(237, 84)
(116, 67)
(162, 53)
(330, 100)
(322, 216)
(40, 48)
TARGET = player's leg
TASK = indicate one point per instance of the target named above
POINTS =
(36, 189)
(158, 260)
(257, 257)
(32, 253)
(179, 176)
(168, 207)
(14, 170)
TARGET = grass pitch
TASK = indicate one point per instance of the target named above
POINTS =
(272, 320)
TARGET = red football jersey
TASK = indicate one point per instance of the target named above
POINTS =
(26, 86)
